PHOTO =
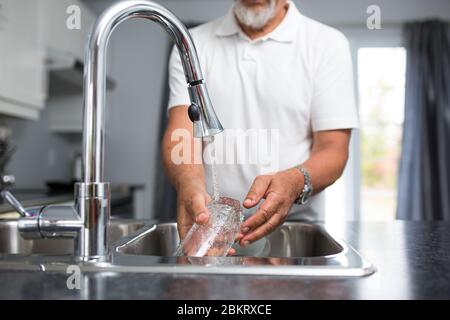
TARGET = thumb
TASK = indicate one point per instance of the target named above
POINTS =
(257, 191)
(198, 209)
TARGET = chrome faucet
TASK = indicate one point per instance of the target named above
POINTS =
(88, 219)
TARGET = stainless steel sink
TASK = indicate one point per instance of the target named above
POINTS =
(11, 242)
(296, 248)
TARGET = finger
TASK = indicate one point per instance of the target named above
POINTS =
(183, 230)
(269, 207)
(239, 237)
(197, 209)
(184, 225)
(231, 252)
(257, 191)
(263, 230)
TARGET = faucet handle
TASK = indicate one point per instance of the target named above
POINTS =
(194, 112)
(194, 116)
(15, 203)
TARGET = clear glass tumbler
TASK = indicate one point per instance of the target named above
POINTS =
(217, 236)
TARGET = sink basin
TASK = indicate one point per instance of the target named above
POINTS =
(11, 242)
(292, 240)
(296, 248)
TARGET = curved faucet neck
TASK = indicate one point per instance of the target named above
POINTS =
(95, 73)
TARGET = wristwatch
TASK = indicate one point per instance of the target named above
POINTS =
(307, 187)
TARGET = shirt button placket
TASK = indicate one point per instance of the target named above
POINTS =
(247, 53)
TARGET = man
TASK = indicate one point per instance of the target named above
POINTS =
(267, 67)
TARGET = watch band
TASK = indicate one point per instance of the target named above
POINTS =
(307, 187)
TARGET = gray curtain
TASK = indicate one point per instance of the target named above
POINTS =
(424, 177)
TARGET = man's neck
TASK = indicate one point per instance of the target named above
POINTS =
(254, 34)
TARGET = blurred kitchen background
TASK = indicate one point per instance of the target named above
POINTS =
(41, 63)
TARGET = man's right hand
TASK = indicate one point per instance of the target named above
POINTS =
(192, 208)
(187, 178)
(192, 202)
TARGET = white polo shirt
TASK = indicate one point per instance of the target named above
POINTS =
(278, 89)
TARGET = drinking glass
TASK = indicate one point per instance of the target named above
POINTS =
(217, 236)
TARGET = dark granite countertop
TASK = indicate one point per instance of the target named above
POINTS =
(412, 258)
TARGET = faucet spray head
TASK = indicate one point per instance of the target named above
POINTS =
(201, 111)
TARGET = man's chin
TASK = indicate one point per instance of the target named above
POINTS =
(255, 26)
(254, 17)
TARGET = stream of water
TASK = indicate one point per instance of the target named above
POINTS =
(211, 154)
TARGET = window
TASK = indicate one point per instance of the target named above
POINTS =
(381, 86)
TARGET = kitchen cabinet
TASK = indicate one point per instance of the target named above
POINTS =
(23, 85)
(64, 41)
(66, 113)
(37, 42)
(65, 50)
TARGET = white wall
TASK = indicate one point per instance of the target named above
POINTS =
(341, 12)
(345, 12)
(40, 155)
(347, 15)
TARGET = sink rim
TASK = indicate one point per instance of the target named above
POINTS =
(118, 262)
(357, 266)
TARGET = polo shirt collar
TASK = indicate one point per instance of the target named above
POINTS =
(285, 32)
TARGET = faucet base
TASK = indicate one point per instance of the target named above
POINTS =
(93, 204)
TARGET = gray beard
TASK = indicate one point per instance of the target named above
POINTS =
(254, 19)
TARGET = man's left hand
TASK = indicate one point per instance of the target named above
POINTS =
(280, 190)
